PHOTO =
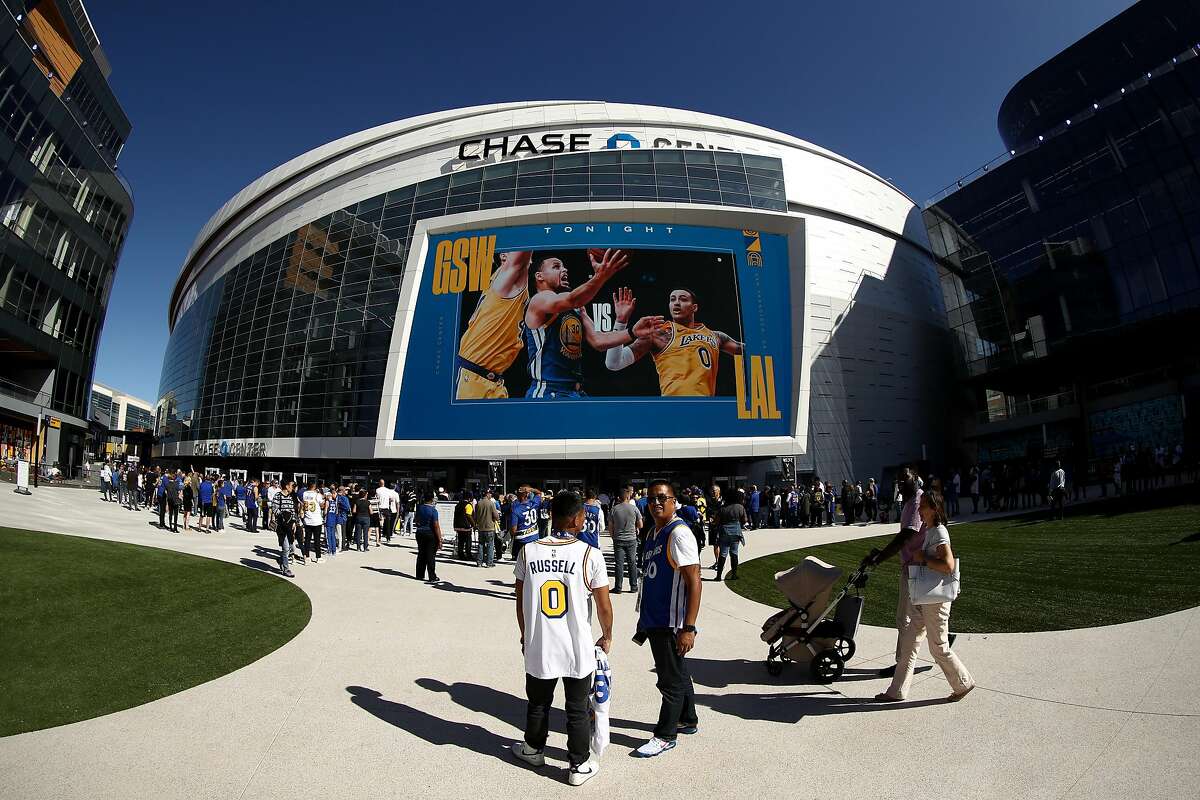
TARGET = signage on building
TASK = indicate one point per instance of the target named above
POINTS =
(54, 422)
(498, 148)
(226, 449)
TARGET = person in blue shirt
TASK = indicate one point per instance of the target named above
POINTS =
(206, 503)
(593, 520)
(343, 516)
(239, 491)
(264, 505)
(754, 506)
(331, 522)
(555, 326)
(691, 515)
(225, 489)
(160, 495)
(523, 524)
(429, 537)
(668, 609)
(251, 517)
(219, 506)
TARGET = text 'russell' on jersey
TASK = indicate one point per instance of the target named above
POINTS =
(552, 565)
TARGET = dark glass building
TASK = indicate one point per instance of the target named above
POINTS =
(1071, 265)
(64, 212)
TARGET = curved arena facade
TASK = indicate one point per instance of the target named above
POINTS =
(580, 291)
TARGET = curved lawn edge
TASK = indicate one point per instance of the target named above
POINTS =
(93, 627)
(1025, 575)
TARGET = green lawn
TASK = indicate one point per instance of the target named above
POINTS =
(1033, 575)
(89, 627)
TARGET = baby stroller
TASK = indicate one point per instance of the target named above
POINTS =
(808, 622)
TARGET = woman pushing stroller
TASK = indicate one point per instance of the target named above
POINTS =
(927, 612)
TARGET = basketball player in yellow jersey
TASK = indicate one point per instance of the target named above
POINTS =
(685, 351)
(493, 336)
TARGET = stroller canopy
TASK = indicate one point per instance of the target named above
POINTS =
(810, 580)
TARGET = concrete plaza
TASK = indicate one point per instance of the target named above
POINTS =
(397, 688)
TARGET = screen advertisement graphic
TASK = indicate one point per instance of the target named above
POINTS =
(599, 330)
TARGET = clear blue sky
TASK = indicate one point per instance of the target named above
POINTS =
(221, 93)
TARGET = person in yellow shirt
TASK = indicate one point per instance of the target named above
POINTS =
(685, 351)
(492, 339)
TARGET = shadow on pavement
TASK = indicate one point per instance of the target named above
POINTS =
(791, 708)
(511, 709)
(386, 571)
(450, 587)
(436, 730)
(254, 563)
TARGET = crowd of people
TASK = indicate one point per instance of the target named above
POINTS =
(659, 535)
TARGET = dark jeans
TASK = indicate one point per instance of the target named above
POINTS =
(313, 534)
(389, 525)
(1058, 498)
(362, 526)
(674, 683)
(625, 558)
(173, 516)
(252, 520)
(162, 512)
(540, 692)
(462, 544)
(426, 555)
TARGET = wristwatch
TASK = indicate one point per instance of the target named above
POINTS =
(689, 629)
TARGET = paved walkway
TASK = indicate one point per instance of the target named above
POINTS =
(397, 688)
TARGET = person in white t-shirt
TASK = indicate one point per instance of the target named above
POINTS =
(555, 578)
(312, 516)
(389, 504)
(1058, 490)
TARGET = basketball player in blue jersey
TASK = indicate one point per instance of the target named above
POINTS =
(555, 326)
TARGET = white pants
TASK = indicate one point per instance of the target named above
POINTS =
(932, 619)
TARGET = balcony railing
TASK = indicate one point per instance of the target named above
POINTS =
(1013, 408)
(24, 393)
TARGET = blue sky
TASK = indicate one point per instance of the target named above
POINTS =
(221, 93)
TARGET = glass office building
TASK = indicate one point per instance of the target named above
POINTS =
(64, 213)
(298, 318)
(1071, 265)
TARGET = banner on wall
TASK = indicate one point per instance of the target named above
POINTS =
(599, 330)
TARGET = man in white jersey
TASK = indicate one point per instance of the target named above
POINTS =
(312, 516)
(555, 577)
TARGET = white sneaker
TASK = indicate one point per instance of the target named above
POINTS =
(654, 747)
(583, 772)
(523, 751)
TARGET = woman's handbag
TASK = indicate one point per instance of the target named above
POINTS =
(927, 586)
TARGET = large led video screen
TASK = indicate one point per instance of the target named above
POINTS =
(599, 331)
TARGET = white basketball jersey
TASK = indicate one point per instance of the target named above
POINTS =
(558, 575)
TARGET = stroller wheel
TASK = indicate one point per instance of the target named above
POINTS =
(827, 666)
(774, 668)
(845, 648)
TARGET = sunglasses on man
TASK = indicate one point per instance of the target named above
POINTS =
(661, 499)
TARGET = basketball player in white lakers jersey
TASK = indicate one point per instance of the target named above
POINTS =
(685, 351)
(555, 577)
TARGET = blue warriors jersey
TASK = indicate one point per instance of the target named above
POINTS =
(591, 526)
(664, 594)
(524, 519)
(555, 354)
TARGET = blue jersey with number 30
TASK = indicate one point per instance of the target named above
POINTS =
(591, 526)
(524, 519)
